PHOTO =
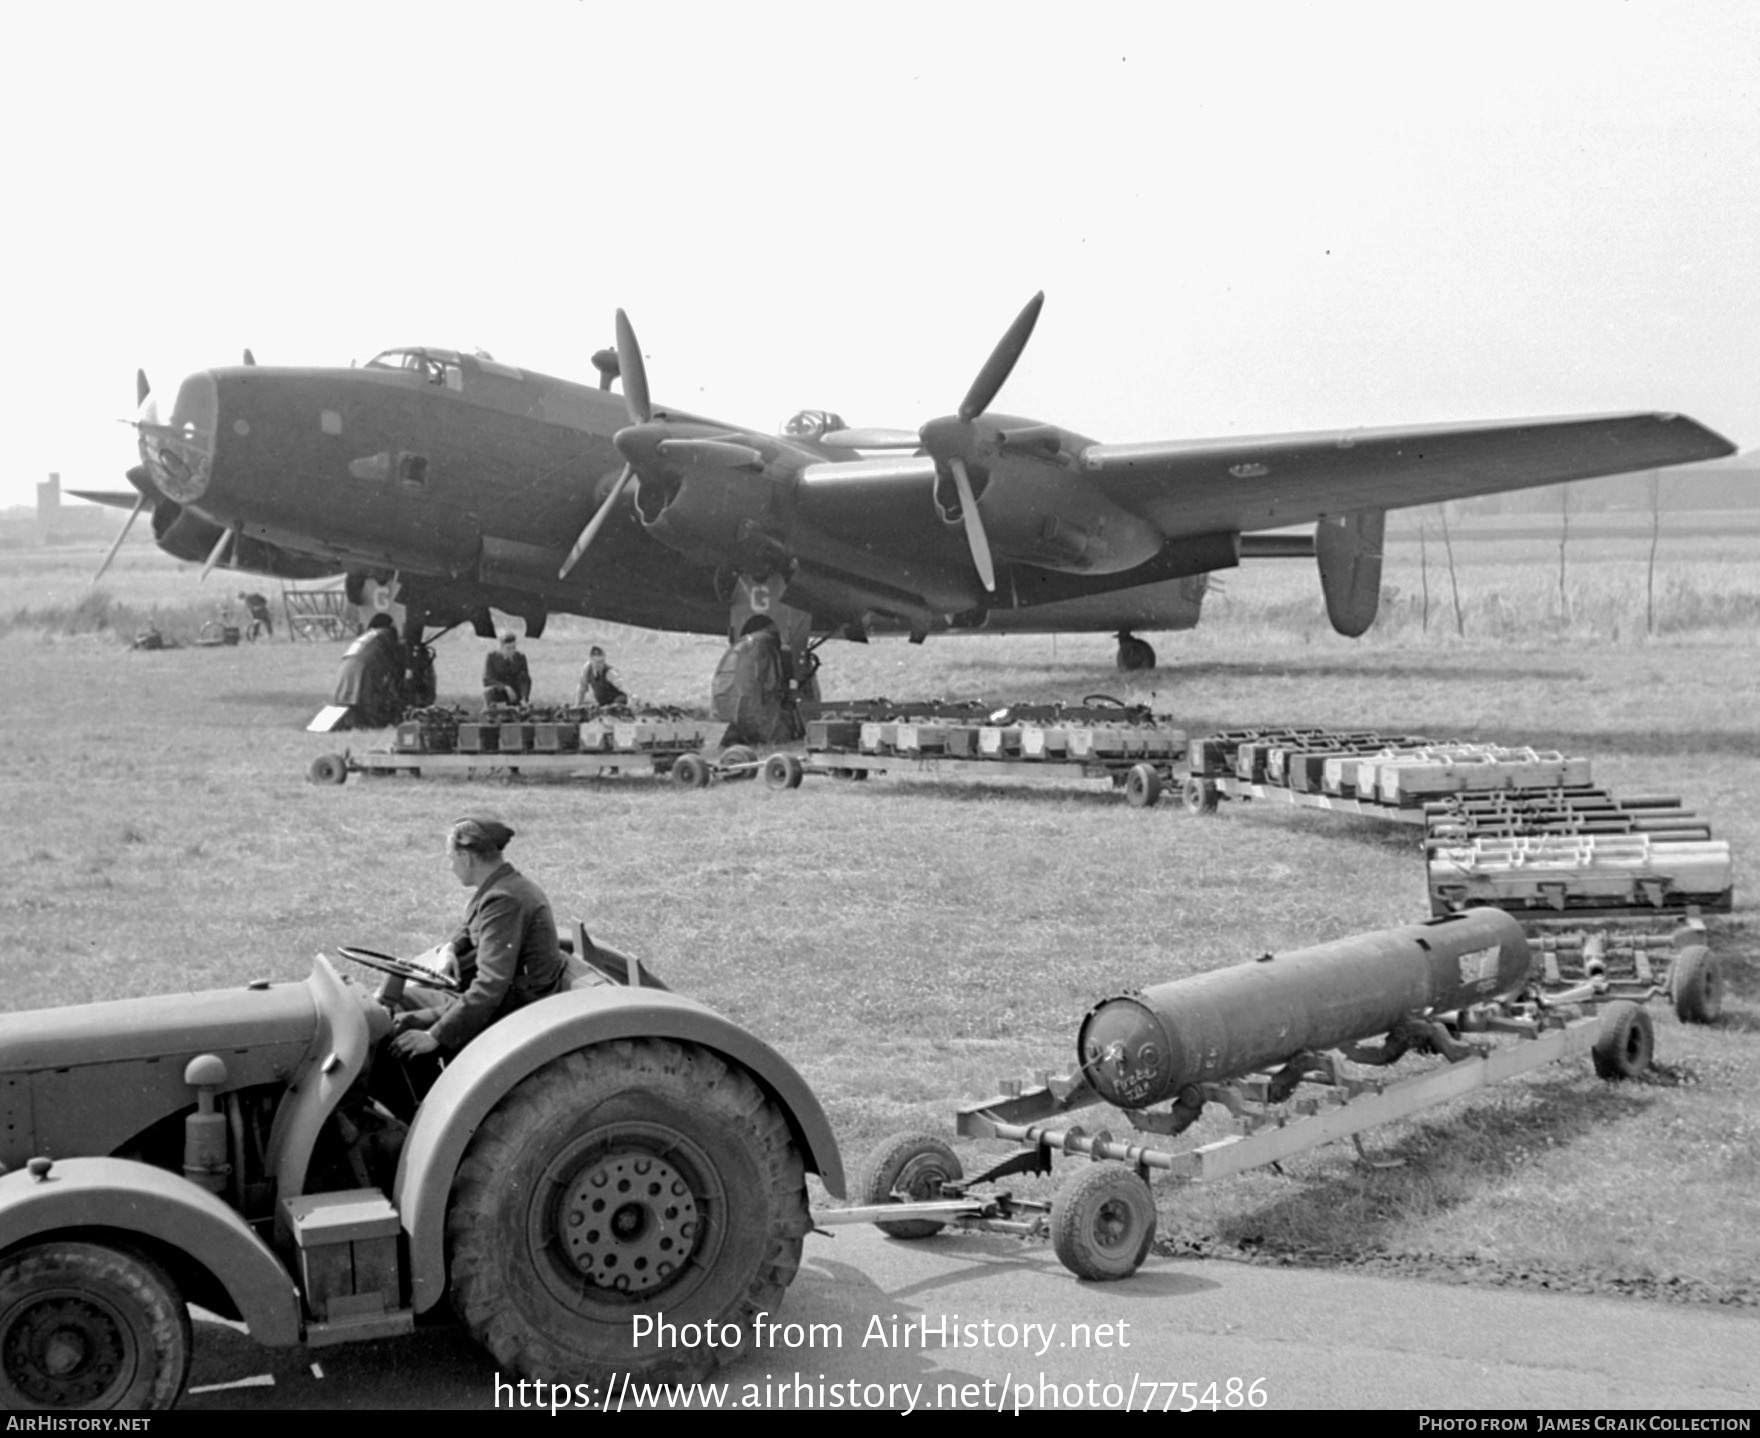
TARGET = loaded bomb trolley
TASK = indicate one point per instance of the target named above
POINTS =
(607, 1152)
(1274, 1042)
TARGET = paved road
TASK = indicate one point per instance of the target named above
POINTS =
(1306, 1339)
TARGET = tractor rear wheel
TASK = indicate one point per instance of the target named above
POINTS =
(639, 1178)
(85, 1326)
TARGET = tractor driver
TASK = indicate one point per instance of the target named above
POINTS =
(505, 954)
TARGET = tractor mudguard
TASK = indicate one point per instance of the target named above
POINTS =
(136, 1198)
(487, 1069)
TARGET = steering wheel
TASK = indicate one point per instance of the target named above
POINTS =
(400, 968)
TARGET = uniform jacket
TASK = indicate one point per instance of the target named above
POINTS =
(508, 669)
(507, 956)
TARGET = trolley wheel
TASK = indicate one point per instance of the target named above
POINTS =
(735, 762)
(782, 771)
(328, 769)
(1199, 796)
(914, 1165)
(1625, 1043)
(1695, 984)
(690, 771)
(1103, 1221)
(1142, 786)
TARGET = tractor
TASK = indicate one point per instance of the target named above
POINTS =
(613, 1151)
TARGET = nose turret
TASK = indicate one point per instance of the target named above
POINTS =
(178, 450)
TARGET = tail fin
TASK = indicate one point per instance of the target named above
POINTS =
(1349, 549)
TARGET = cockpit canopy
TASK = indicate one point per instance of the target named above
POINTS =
(437, 366)
(812, 423)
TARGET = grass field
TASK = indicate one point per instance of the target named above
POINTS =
(907, 945)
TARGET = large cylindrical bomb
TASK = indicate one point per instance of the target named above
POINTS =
(1140, 1048)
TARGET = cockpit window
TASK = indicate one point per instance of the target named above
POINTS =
(434, 368)
(811, 423)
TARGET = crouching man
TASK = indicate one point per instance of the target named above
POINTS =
(504, 955)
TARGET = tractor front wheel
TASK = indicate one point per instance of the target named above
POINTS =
(86, 1326)
(636, 1179)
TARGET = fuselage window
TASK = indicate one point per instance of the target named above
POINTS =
(412, 471)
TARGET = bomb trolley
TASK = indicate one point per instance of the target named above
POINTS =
(1263, 1041)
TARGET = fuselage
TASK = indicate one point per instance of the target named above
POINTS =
(469, 480)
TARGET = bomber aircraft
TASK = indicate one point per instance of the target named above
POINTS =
(470, 485)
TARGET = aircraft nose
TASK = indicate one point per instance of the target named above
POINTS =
(179, 452)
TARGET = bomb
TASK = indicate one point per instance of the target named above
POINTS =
(1139, 1048)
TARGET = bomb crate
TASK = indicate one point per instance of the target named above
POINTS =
(556, 736)
(1632, 872)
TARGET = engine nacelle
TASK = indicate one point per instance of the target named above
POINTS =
(707, 514)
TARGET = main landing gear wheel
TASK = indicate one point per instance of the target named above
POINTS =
(1134, 654)
(1142, 786)
(634, 1178)
(85, 1326)
(1200, 796)
(1103, 1221)
(909, 1168)
(400, 968)
(782, 771)
(328, 769)
(690, 771)
(1625, 1042)
(1696, 985)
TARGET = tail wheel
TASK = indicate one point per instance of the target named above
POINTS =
(1625, 1042)
(636, 1178)
(909, 1167)
(1142, 786)
(84, 1326)
(1103, 1221)
(1696, 985)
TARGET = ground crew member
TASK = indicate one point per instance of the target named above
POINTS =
(598, 684)
(506, 680)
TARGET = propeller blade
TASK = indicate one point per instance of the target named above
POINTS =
(1002, 360)
(975, 536)
(127, 525)
(597, 522)
(249, 358)
(221, 545)
(635, 373)
(871, 439)
(141, 388)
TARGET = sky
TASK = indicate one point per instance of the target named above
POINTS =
(1246, 218)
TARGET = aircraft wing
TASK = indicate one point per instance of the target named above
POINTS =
(1205, 486)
